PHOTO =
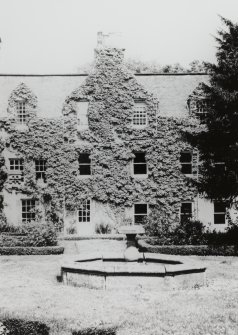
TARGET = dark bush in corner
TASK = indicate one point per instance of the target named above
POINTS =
(55, 250)
(23, 327)
(96, 331)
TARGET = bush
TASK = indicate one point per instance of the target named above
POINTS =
(96, 331)
(187, 232)
(40, 234)
(31, 250)
(22, 327)
(199, 250)
(157, 224)
(103, 228)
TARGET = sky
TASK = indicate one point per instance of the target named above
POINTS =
(59, 36)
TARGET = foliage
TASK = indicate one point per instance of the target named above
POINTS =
(96, 331)
(23, 327)
(40, 234)
(111, 141)
(199, 250)
(217, 142)
(18, 250)
(103, 228)
(138, 66)
(186, 232)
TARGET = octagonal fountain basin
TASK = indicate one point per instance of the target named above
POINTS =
(153, 271)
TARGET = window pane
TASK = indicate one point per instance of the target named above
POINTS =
(139, 157)
(84, 170)
(186, 168)
(140, 208)
(140, 169)
(84, 158)
(186, 208)
(219, 207)
(219, 219)
(185, 157)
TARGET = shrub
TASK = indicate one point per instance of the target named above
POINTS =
(103, 228)
(22, 327)
(31, 250)
(187, 232)
(40, 234)
(199, 250)
(157, 224)
(96, 331)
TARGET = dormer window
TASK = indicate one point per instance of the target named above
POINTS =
(21, 112)
(139, 118)
(82, 117)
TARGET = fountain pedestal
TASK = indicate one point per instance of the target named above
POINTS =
(131, 253)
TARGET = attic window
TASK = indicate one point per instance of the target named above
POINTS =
(139, 118)
(82, 117)
(21, 112)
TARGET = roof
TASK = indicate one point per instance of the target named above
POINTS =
(172, 90)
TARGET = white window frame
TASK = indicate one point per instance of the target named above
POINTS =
(40, 169)
(139, 214)
(219, 213)
(17, 166)
(84, 212)
(187, 163)
(140, 115)
(85, 164)
(29, 205)
(139, 175)
(192, 209)
(21, 112)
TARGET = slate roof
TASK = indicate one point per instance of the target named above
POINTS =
(172, 90)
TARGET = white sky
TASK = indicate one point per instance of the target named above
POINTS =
(57, 36)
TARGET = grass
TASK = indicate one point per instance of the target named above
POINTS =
(28, 289)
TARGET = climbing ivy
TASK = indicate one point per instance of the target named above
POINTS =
(111, 141)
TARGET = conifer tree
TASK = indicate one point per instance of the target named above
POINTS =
(218, 141)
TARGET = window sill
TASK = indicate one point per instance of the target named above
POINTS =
(140, 176)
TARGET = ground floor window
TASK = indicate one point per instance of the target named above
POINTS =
(28, 210)
(140, 212)
(219, 212)
(84, 211)
(186, 211)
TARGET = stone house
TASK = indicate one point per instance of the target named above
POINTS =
(88, 151)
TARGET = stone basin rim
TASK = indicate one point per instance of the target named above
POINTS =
(167, 266)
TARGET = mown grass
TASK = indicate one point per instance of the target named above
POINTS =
(29, 290)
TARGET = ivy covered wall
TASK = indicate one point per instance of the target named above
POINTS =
(111, 140)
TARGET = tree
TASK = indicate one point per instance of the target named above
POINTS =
(218, 141)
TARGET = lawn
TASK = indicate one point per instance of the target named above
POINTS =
(28, 289)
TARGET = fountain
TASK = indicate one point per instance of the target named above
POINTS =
(133, 269)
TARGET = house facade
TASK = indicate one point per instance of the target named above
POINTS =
(97, 150)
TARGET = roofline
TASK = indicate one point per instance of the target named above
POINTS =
(85, 75)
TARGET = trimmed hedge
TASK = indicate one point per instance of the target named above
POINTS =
(96, 331)
(23, 327)
(199, 250)
(117, 237)
(31, 250)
